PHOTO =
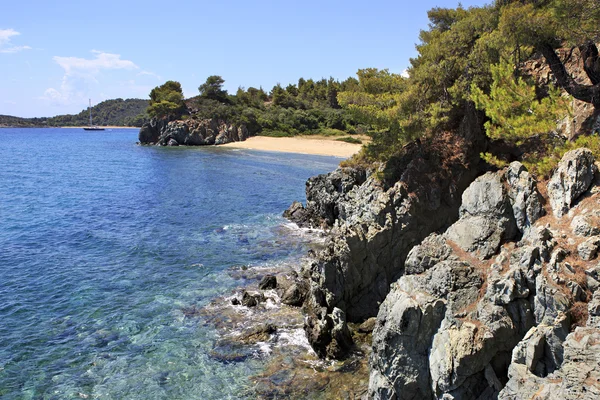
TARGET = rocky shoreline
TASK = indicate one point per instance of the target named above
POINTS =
(191, 132)
(490, 302)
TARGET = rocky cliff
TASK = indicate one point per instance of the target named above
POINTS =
(375, 223)
(191, 132)
(496, 301)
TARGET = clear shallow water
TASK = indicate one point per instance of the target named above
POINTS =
(103, 243)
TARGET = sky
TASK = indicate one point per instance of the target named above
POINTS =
(55, 55)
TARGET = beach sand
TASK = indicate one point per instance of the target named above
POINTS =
(301, 144)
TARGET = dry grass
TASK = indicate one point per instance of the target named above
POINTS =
(579, 314)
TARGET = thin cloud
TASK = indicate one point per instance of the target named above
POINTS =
(6, 45)
(93, 66)
(148, 73)
(81, 74)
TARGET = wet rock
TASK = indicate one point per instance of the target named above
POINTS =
(260, 333)
(172, 143)
(251, 300)
(572, 178)
(298, 214)
(229, 352)
(295, 294)
(268, 282)
(589, 249)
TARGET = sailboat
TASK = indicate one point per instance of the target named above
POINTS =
(92, 127)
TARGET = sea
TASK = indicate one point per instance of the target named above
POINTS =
(103, 246)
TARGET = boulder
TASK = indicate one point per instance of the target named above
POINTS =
(525, 199)
(294, 295)
(546, 365)
(486, 217)
(589, 249)
(572, 178)
(582, 225)
(325, 195)
(191, 132)
(268, 282)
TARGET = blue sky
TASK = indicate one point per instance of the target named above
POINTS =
(55, 55)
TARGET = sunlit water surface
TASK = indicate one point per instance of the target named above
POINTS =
(104, 243)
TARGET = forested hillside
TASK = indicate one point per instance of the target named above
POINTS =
(116, 112)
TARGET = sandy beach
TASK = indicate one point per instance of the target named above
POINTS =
(302, 144)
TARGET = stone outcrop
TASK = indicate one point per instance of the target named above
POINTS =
(571, 179)
(191, 132)
(487, 309)
(326, 195)
(375, 227)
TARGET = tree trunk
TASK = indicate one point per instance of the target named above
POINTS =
(591, 62)
(586, 93)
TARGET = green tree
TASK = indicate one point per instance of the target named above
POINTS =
(167, 101)
(513, 107)
(547, 25)
(213, 89)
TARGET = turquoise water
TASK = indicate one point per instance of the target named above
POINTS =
(103, 244)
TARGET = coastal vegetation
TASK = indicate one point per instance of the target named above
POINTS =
(487, 61)
(116, 112)
(481, 57)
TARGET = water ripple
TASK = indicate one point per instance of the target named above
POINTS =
(103, 243)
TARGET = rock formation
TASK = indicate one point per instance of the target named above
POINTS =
(479, 298)
(375, 227)
(486, 311)
(191, 132)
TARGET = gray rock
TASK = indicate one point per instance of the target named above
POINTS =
(486, 217)
(379, 222)
(594, 311)
(401, 341)
(589, 249)
(294, 295)
(525, 199)
(572, 178)
(431, 251)
(325, 196)
(268, 282)
(191, 132)
(172, 143)
(150, 131)
(582, 226)
(576, 378)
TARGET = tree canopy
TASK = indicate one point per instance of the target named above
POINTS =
(213, 89)
(167, 101)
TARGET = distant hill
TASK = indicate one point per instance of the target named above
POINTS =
(117, 112)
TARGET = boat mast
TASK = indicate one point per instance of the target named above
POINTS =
(90, 108)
